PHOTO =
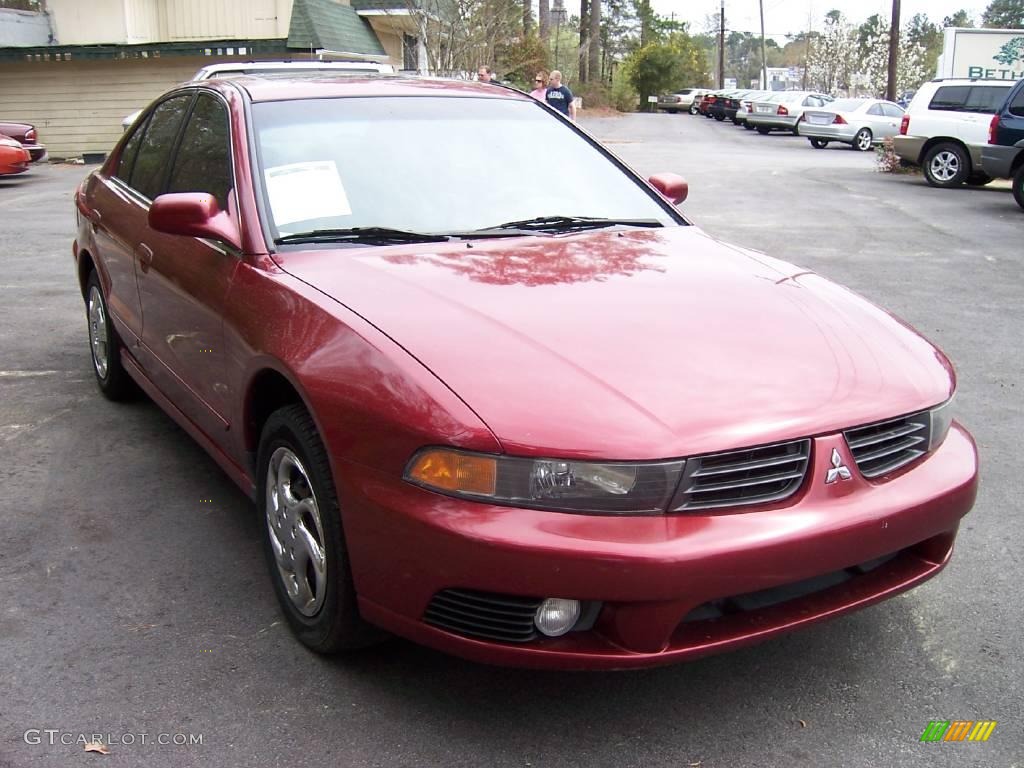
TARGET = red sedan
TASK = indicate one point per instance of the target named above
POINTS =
(508, 404)
(14, 158)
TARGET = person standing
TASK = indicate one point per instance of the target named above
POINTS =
(560, 97)
(540, 86)
(485, 74)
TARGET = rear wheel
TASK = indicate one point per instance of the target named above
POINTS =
(946, 165)
(818, 143)
(719, 117)
(1018, 186)
(105, 345)
(862, 141)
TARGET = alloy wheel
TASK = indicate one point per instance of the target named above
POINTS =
(945, 166)
(863, 140)
(296, 532)
(98, 332)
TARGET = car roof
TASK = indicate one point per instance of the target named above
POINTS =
(213, 70)
(328, 87)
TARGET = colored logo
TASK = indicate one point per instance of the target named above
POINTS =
(958, 730)
(1012, 52)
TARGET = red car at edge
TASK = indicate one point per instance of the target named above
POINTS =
(509, 404)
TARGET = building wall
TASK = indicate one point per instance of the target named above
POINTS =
(126, 22)
(23, 28)
(77, 106)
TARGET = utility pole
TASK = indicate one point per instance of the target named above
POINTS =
(894, 51)
(764, 56)
(721, 48)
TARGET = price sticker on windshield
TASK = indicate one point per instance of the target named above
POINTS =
(306, 191)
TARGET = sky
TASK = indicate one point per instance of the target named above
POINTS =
(785, 16)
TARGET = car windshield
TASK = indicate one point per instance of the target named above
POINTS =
(434, 165)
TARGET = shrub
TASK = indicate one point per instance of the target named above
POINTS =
(888, 161)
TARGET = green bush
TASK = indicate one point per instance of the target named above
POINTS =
(623, 95)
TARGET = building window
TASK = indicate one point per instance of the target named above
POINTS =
(410, 52)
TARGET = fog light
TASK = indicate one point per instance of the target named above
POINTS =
(556, 616)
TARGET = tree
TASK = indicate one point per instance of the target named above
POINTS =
(833, 56)
(922, 31)
(958, 19)
(594, 42)
(664, 66)
(911, 66)
(584, 49)
(21, 5)
(1004, 14)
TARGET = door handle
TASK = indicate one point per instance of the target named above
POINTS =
(145, 256)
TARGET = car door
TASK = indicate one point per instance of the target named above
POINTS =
(983, 101)
(184, 281)
(114, 237)
(890, 124)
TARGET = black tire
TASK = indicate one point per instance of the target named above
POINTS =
(334, 623)
(671, 111)
(795, 130)
(719, 117)
(763, 131)
(1017, 185)
(748, 126)
(105, 345)
(862, 141)
(946, 165)
(978, 179)
(693, 110)
(818, 143)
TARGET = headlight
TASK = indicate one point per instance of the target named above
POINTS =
(571, 486)
(941, 418)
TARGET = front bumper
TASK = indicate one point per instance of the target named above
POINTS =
(655, 576)
(997, 160)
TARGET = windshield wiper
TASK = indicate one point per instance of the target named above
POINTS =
(567, 223)
(378, 235)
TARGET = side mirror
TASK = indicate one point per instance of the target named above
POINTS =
(193, 214)
(671, 185)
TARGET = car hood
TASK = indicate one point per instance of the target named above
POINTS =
(635, 344)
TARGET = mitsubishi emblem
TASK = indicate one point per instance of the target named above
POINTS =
(838, 471)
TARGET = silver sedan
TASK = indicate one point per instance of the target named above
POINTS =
(861, 123)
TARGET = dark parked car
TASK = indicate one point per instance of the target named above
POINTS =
(526, 416)
(26, 135)
(1003, 157)
(728, 103)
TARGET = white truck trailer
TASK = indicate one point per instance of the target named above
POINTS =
(982, 53)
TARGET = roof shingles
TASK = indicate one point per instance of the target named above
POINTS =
(330, 25)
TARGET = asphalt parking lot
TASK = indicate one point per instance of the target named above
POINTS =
(134, 598)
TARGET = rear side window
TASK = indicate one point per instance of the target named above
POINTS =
(876, 109)
(203, 160)
(131, 149)
(892, 110)
(951, 97)
(986, 99)
(1017, 105)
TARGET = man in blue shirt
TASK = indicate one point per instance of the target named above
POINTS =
(559, 97)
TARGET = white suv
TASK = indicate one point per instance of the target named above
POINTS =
(945, 127)
(270, 68)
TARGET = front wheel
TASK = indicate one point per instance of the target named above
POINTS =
(105, 345)
(693, 110)
(303, 537)
(946, 165)
(818, 143)
(862, 141)
(1017, 185)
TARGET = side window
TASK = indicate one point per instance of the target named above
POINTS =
(892, 110)
(155, 150)
(1017, 105)
(986, 99)
(203, 162)
(131, 149)
(950, 97)
(875, 109)
(813, 101)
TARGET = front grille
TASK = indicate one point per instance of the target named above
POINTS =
(483, 614)
(885, 447)
(750, 476)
